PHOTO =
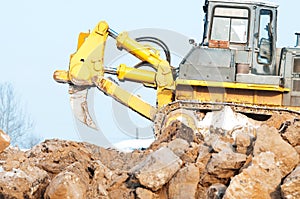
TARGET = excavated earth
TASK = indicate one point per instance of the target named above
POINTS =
(227, 159)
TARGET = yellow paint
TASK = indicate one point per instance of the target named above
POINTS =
(164, 97)
(234, 85)
(61, 76)
(144, 53)
(87, 62)
(133, 74)
(86, 65)
(163, 78)
(185, 116)
(126, 98)
(81, 39)
(231, 95)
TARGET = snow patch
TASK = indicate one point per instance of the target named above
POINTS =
(225, 119)
(15, 173)
(131, 145)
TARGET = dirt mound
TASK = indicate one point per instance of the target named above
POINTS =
(244, 162)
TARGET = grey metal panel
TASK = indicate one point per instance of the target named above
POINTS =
(210, 57)
(208, 64)
(277, 64)
(291, 98)
(285, 69)
(192, 72)
(258, 79)
(243, 57)
(287, 64)
(295, 101)
(287, 96)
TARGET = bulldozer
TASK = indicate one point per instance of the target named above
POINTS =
(237, 64)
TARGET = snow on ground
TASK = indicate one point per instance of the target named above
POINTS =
(225, 119)
(15, 173)
(130, 145)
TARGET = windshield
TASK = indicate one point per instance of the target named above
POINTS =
(230, 24)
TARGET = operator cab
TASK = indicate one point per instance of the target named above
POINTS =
(239, 43)
(230, 25)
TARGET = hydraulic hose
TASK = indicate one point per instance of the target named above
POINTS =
(158, 42)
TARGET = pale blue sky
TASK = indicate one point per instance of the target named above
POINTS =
(37, 38)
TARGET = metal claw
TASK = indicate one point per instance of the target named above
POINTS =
(78, 99)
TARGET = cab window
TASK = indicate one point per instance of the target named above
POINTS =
(230, 24)
(265, 37)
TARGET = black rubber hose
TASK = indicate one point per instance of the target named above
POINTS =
(159, 42)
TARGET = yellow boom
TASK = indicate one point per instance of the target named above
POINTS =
(87, 69)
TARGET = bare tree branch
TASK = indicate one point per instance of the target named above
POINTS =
(13, 119)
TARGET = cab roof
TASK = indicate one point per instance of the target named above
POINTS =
(253, 2)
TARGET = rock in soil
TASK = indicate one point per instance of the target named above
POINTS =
(184, 183)
(4, 141)
(291, 186)
(260, 180)
(244, 160)
(268, 139)
(157, 169)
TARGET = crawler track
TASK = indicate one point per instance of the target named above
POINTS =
(196, 107)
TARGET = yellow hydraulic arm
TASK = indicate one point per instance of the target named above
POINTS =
(86, 69)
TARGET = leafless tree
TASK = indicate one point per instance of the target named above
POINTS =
(13, 118)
